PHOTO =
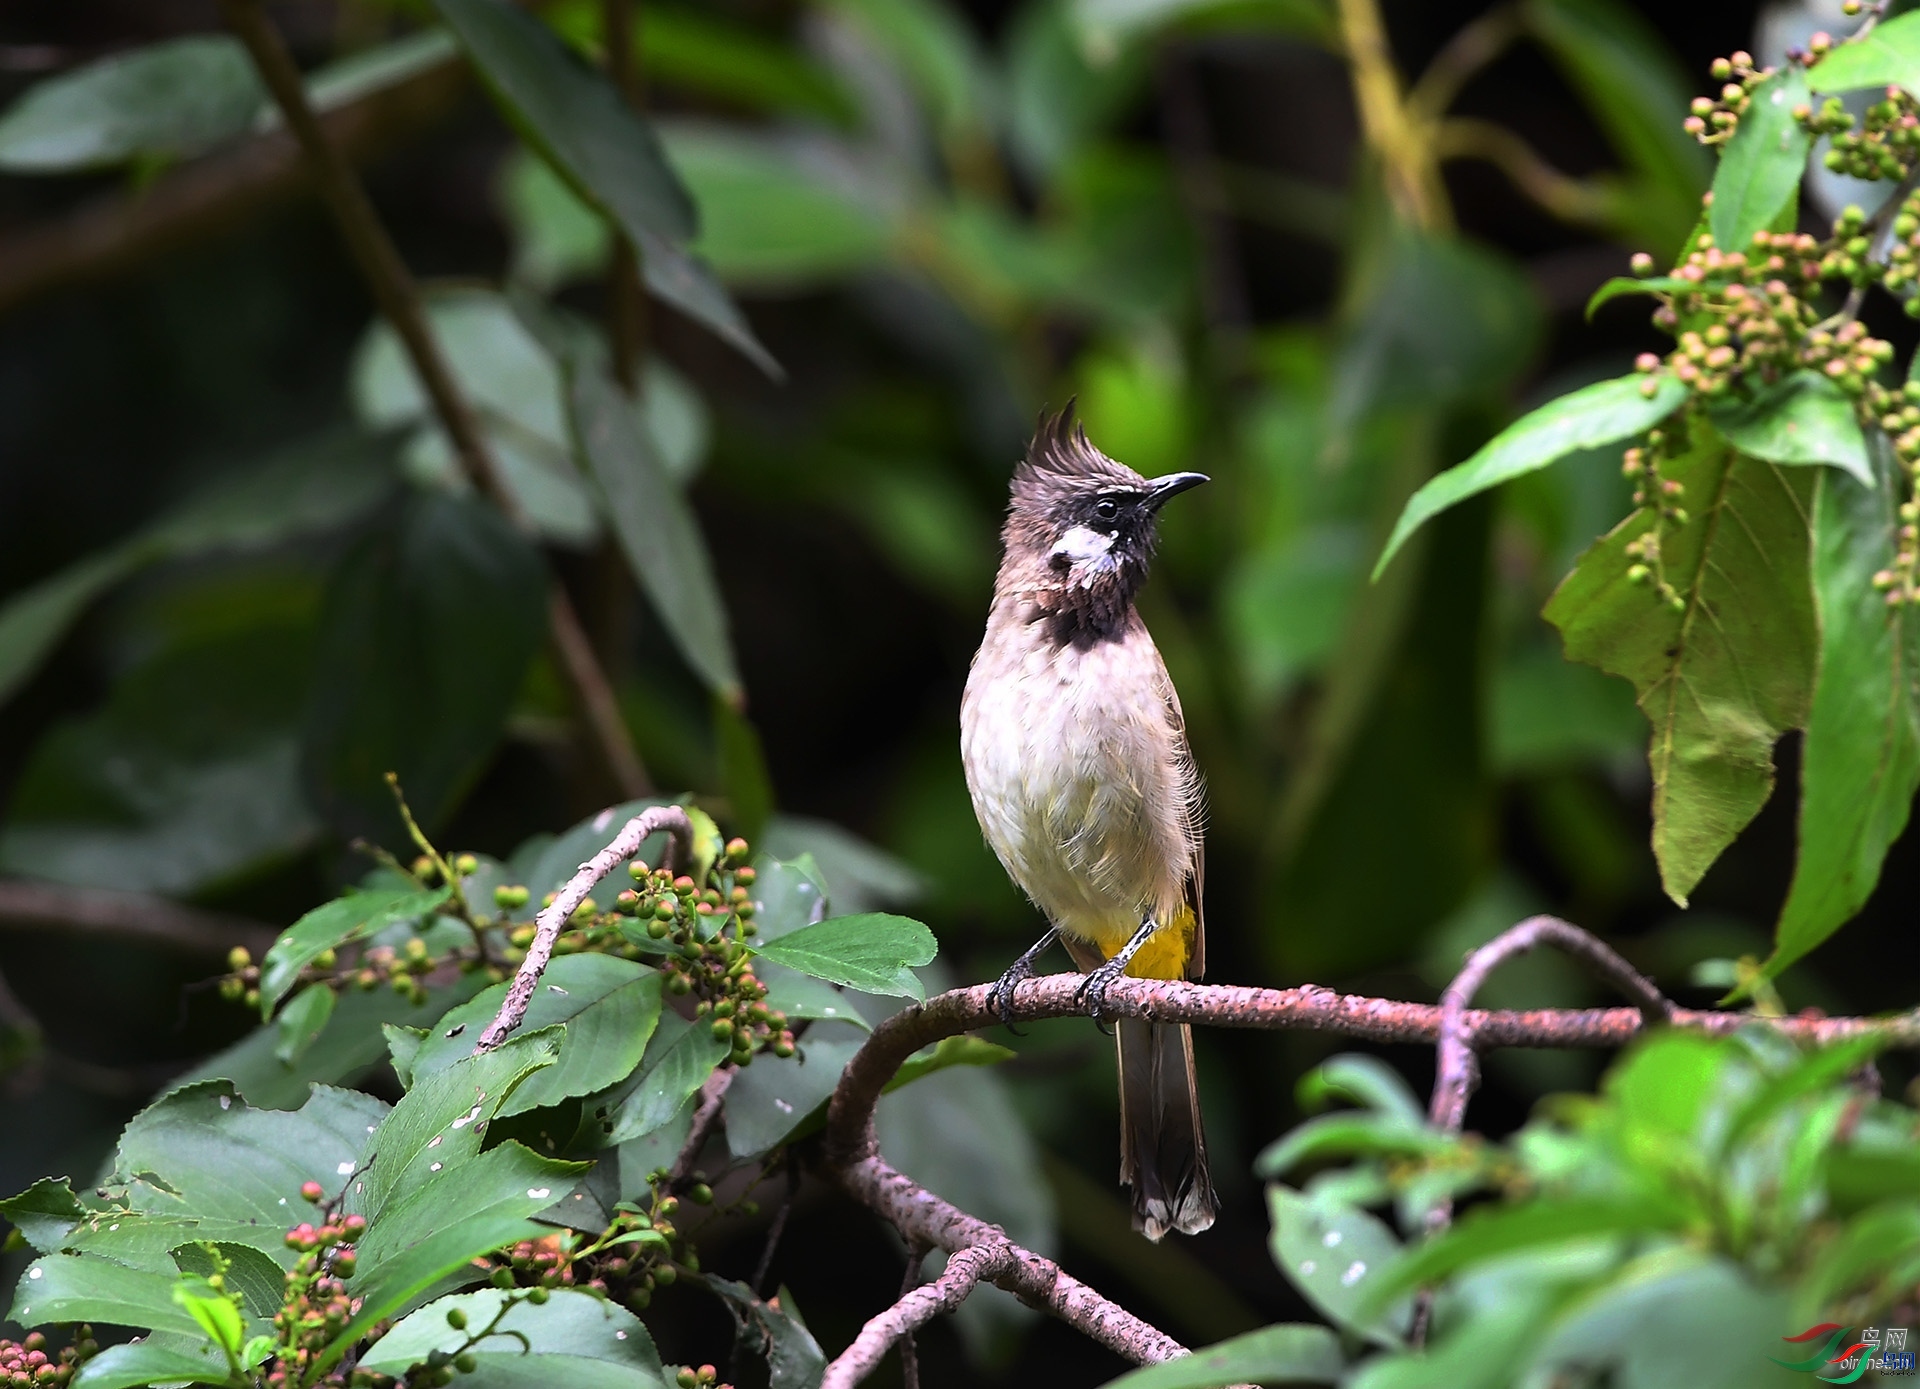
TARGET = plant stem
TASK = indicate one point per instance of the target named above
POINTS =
(1399, 141)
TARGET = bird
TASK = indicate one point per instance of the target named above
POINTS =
(1076, 758)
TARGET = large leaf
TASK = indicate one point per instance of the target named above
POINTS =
(165, 101)
(1626, 74)
(875, 952)
(679, 1059)
(1803, 418)
(609, 1007)
(769, 1099)
(1763, 162)
(431, 624)
(1888, 55)
(1861, 760)
(1722, 679)
(349, 918)
(775, 1331)
(63, 1288)
(1333, 1254)
(43, 1213)
(655, 526)
(1582, 419)
(575, 1339)
(311, 487)
(1282, 1354)
(156, 1360)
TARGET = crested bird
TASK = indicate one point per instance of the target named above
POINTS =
(1077, 761)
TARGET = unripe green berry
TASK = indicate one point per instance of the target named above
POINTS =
(457, 1319)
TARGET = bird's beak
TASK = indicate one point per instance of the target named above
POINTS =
(1172, 485)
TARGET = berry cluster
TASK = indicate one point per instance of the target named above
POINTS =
(28, 1365)
(1715, 118)
(705, 1377)
(317, 1302)
(1884, 147)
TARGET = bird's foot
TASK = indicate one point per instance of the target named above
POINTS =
(1092, 993)
(1000, 996)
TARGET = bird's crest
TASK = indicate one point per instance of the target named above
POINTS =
(1061, 460)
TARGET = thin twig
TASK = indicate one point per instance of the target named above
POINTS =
(1570, 199)
(917, 1306)
(1460, 59)
(764, 1269)
(553, 917)
(706, 1113)
(910, 1278)
(399, 300)
(129, 916)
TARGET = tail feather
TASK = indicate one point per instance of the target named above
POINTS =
(1163, 1148)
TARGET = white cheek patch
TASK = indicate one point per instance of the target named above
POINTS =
(1081, 545)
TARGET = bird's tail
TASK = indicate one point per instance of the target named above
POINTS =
(1163, 1148)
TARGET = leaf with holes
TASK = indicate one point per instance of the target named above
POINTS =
(1722, 679)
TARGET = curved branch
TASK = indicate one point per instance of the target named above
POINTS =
(1459, 1070)
(130, 916)
(1572, 200)
(913, 1311)
(553, 917)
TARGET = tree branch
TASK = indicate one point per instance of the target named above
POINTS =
(706, 1113)
(963, 1274)
(1572, 200)
(129, 916)
(399, 300)
(553, 917)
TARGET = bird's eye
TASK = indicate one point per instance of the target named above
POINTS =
(1106, 509)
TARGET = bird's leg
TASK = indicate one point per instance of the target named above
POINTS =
(1093, 993)
(1000, 996)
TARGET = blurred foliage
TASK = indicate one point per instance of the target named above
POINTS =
(245, 575)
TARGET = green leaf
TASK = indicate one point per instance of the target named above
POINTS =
(743, 770)
(314, 486)
(1861, 760)
(303, 1020)
(874, 952)
(679, 1059)
(506, 1182)
(575, 1339)
(44, 1213)
(1625, 284)
(548, 865)
(794, 1359)
(1583, 419)
(713, 56)
(441, 1122)
(349, 918)
(573, 117)
(609, 1008)
(937, 54)
(1283, 1354)
(68, 1288)
(144, 1363)
(1347, 1135)
(964, 1050)
(1886, 56)
(1333, 1254)
(654, 524)
(215, 1313)
(1363, 1080)
(403, 1045)
(1761, 167)
(348, 1047)
(1723, 679)
(431, 624)
(1626, 73)
(769, 1099)
(790, 894)
(769, 219)
(165, 101)
(802, 996)
(200, 1154)
(1803, 418)
(687, 282)
(260, 1282)
(360, 75)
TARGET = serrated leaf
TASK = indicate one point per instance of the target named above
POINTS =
(403, 1044)
(654, 525)
(143, 1363)
(260, 1282)
(802, 996)
(679, 1059)
(1860, 763)
(769, 1099)
(332, 924)
(70, 1288)
(1802, 418)
(1333, 1254)
(1284, 1354)
(575, 1339)
(166, 100)
(1583, 419)
(1721, 680)
(1886, 56)
(442, 1120)
(44, 1213)
(609, 1008)
(875, 952)
(302, 1021)
(1761, 167)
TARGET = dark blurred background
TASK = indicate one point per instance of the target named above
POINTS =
(1188, 238)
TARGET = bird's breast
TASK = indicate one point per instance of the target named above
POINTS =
(1080, 777)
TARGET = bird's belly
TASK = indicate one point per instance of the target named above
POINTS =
(1076, 796)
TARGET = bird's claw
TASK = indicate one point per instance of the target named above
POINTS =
(1000, 996)
(1092, 993)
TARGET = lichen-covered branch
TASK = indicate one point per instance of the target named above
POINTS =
(553, 917)
(963, 1274)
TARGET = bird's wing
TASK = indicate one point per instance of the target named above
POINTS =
(1193, 811)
